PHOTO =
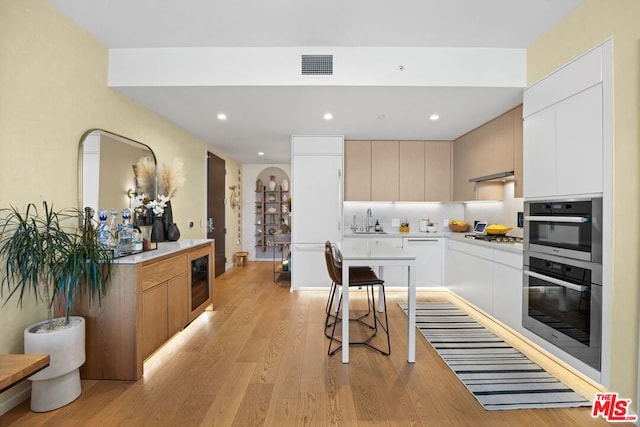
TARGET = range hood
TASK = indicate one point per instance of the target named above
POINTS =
(500, 176)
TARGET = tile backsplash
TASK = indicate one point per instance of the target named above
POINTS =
(504, 212)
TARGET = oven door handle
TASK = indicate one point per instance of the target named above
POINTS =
(573, 219)
(556, 281)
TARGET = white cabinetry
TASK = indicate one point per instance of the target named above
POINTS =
(475, 277)
(309, 269)
(579, 143)
(563, 130)
(540, 154)
(488, 278)
(428, 253)
(507, 289)
(563, 147)
(316, 211)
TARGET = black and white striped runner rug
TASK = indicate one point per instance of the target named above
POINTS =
(498, 375)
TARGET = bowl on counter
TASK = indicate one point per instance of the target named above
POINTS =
(458, 228)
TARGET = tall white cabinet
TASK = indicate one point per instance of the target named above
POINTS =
(316, 211)
(563, 130)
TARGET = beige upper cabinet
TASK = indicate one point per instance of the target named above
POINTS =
(437, 161)
(517, 152)
(489, 149)
(385, 170)
(463, 150)
(357, 170)
(496, 142)
(412, 171)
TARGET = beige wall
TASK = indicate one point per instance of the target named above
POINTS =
(53, 87)
(592, 23)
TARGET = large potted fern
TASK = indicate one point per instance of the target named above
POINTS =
(47, 255)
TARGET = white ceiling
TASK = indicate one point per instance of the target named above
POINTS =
(263, 118)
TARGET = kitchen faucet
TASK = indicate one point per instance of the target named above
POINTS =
(368, 222)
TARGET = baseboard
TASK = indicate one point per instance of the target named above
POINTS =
(18, 397)
(559, 368)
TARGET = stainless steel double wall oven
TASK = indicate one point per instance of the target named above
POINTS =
(563, 275)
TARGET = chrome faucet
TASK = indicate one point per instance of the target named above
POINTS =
(368, 222)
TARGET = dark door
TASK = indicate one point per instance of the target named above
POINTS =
(215, 208)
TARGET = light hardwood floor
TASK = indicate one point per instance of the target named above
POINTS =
(259, 358)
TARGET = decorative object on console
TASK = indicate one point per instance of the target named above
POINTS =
(157, 230)
(285, 184)
(173, 233)
(272, 183)
(171, 178)
(145, 172)
(167, 216)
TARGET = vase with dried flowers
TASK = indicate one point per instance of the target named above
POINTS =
(170, 179)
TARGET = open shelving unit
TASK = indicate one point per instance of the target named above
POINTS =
(272, 213)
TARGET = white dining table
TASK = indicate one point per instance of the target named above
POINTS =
(380, 254)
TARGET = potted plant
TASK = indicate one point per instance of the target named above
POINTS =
(46, 254)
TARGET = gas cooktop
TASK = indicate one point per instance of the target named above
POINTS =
(493, 238)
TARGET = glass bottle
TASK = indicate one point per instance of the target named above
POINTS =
(113, 229)
(125, 233)
(103, 232)
(87, 231)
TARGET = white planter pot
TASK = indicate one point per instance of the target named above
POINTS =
(59, 383)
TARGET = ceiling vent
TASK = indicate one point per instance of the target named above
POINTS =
(317, 65)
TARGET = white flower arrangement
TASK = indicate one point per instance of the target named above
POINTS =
(142, 203)
(158, 205)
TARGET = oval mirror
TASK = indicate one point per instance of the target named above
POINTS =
(106, 172)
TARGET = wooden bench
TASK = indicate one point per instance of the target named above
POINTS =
(16, 367)
(241, 257)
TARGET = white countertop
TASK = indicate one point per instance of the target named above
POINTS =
(509, 247)
(393, 234)
(164, 248)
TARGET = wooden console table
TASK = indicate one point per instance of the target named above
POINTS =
(151, 297)
(16, 367)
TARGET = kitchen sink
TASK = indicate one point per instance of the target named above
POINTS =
(369, 232)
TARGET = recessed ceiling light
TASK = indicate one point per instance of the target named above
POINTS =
(260, 153)
(222, 116)
(434, 117)
(328, 116)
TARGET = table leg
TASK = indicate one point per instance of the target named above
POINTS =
(411, 351)
(345, 312)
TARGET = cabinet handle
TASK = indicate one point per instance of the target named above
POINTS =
(572, 219)
(556, 281)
